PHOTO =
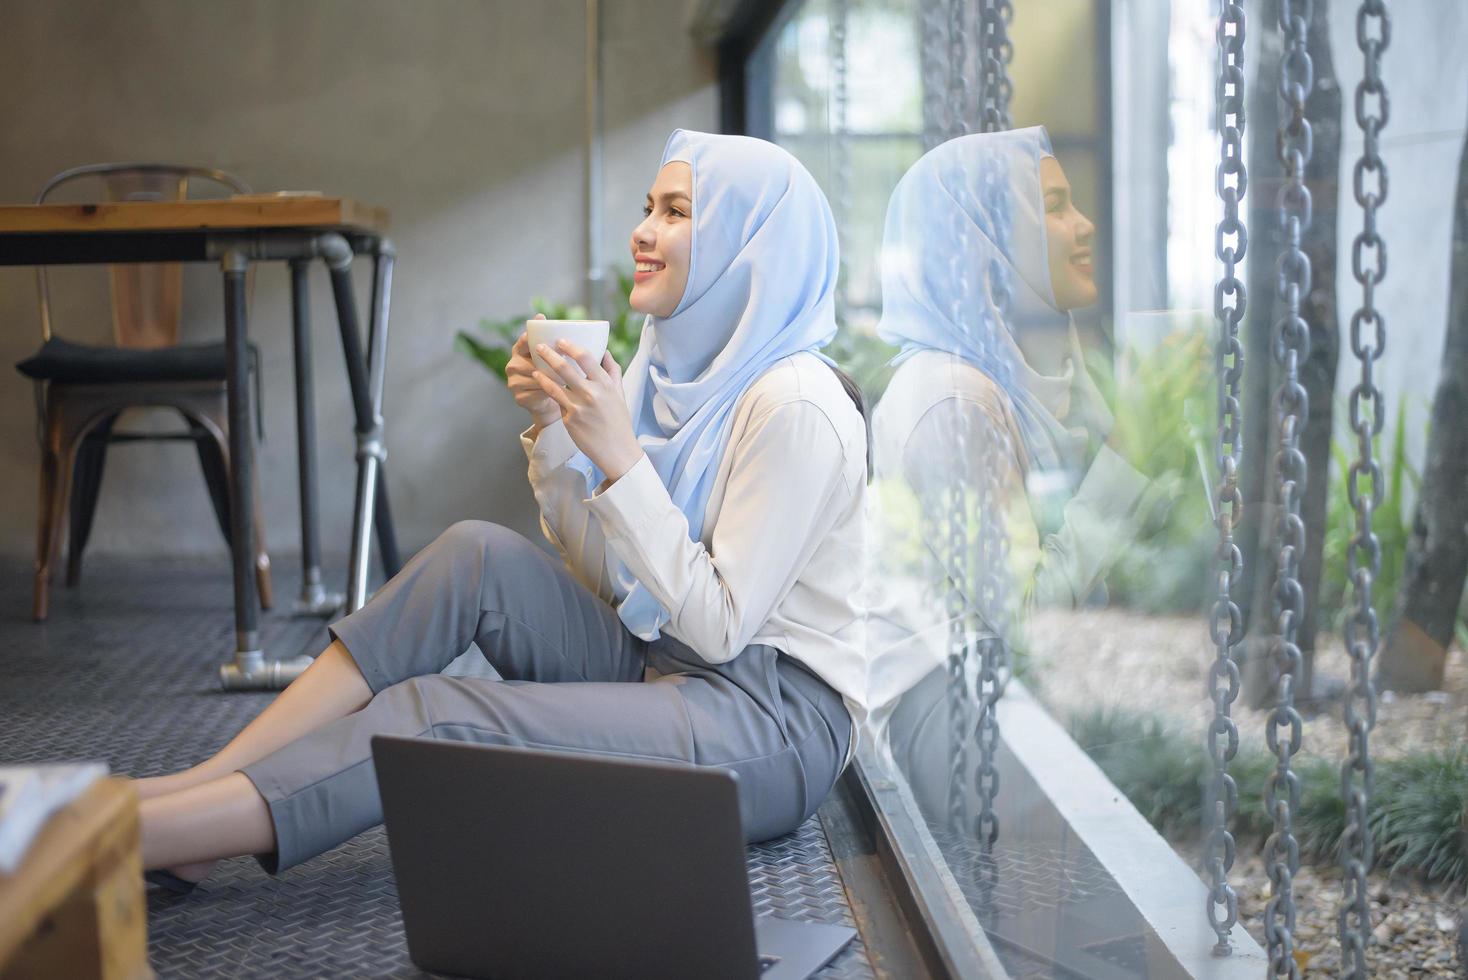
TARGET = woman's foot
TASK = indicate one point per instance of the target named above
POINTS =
(181, 878)
(192, 872)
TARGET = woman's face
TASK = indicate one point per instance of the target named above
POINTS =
(1068, 234)
(662, 243)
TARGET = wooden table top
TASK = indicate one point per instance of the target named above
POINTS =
(257, 211)
(100, 826)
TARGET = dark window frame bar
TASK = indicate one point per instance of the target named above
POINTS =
(748, 23)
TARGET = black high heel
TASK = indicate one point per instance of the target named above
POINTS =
(169, 881)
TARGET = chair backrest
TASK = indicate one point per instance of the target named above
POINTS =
(146, 297)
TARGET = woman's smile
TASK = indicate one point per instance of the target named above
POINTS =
(647, 267)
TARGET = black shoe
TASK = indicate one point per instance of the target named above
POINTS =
(169, 881)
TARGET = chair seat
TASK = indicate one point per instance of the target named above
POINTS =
(62, 360)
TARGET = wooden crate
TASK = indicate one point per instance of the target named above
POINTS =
(75, 908)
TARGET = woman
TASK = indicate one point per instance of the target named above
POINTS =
(708, 511)
(995, 489)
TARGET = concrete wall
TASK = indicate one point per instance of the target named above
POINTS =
(465, 119)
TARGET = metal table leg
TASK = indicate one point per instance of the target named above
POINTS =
(382, 265)
(314, 599)
(249, 668)
(366, 403)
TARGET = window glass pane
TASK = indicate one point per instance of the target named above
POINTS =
(1032, 318)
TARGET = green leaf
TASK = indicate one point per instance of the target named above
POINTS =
(496, 359)
(622, 340)
(1416, 810)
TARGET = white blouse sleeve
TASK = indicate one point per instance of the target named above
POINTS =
(1099, 522)
(777, 509)
(564, 520)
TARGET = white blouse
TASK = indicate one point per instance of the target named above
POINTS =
(780, 558)
(932, 397)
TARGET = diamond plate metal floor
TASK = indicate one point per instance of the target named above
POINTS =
(125, 672)
(1050, 910)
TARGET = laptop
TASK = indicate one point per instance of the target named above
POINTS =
(516, 862)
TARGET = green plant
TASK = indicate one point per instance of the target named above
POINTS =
(1159, 398)
(1163, 401)
(1392, 524)
(1417, 809)
(1159, 773)
(494, 351)
(865, 358)
(1417, 816)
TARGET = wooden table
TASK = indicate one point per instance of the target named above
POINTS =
(235, 232)
(75, 907)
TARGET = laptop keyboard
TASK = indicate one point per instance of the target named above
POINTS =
(765, 962)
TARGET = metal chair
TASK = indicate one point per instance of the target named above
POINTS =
(82, 389)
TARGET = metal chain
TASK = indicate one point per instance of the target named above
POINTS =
(976, 592)
(947, 527)
(1363, 555)
(958, 642)
(996, 52)
(1225, 625)
(991, 624)
(933, 22)
(988, 624)
(957, 555)
(960, 90)
(841, 165)
(1291, 342)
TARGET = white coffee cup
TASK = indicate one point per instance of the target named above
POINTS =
(589, 335)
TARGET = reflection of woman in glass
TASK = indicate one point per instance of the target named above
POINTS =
(983, 428)
(708, 512)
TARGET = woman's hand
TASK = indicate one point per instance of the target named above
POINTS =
(592, 407)
(520, 377)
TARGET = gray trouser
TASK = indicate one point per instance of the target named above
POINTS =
(920, 735)
(573, 681)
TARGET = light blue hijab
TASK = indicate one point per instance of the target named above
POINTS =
(965, 269)
(761, 286)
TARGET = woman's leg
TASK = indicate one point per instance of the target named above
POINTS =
(187, 830)
(321, 790)
(330, 688)
(477, 582)
(484, 584)
(778, 727)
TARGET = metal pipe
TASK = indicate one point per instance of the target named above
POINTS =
(362, 526)
(249, 669)
(314, 599)
(346, 314)
(241, 523)
(382, 265)
(369, 431)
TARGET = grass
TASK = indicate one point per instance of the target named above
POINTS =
(1416, 812)
(1418, 817)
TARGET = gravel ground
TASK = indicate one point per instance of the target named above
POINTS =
(1160, 663)
(1415, 931)
(1089, 658)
